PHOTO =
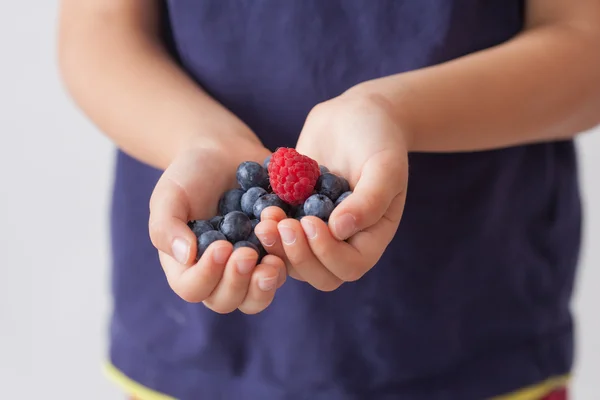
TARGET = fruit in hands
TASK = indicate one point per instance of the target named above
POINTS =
(200, 226)
(268, 200)
(286, 179)
(319, 206)
(251, 174)
(236, 226)
(206, 239)
(342, 198)
(231, 201)
(330, 185)
(249, 199)
(292, 175)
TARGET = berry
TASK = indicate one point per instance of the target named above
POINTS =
(293, 176)
(268, 200)
(323, 169)
(231, 201)
(342, 198)
(266, 162)
(345, 184)
(298, 212)
(319, 206)
(245, 243)
(236, 226)
(330, 185)
(216, 221)
(200, 226)
(254, 222)
(206, 239)
(250, 197)
(251, 174)
(254, 240)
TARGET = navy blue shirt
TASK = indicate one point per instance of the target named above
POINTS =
(471, 298)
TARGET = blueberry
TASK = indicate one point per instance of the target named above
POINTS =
(268, 200)
(329, 185)
(299, 212)
(345, 184)
(254, 222)
(250, 197)
(231, 201)
(252, 174)
(267, 162)
(216, 222)
(245, 243)
(206, 239)
(323, 169)
(200, 226)
(236, 226)
(342, 198)
(254, 240)
(318, 205)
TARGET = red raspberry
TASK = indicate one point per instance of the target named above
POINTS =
(292, 176)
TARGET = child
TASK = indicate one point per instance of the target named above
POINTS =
(454, 117)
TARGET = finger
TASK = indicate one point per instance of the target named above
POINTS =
(266, 231)
(233, 286)
(196, 283)
(371, 242)
(263, 285)
(383, 178)
(273, 214)
(302, 258)
(167, 226)
(341, 259)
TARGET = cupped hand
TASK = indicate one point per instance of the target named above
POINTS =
(358, 138)
(223, 279)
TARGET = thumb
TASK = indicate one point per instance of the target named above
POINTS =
(382, 179)
(169, 209)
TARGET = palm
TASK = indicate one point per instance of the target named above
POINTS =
(359, 140)
(347, 137)
(223, 279)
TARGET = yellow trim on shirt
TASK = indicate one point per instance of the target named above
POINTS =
(141, 392)
(538, 391)
(131, 387)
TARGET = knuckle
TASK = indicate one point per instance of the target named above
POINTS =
(188, 295)
(156, 231)
(219, 307)
(254, 308)
(327, 285)
(351, 274)
(371, 201)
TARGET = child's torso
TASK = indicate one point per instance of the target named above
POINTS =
(471, 297)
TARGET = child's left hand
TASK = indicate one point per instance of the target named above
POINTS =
(358, 138)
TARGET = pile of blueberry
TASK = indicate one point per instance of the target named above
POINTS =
(240, 209)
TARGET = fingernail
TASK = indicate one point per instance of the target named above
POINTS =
(287, 235)
(266, 239)
(309, 228)
(344, 226)
(221, 254)
(267, 284)
(244, 266)
(181, 250)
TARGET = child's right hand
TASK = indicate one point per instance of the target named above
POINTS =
(223, 280)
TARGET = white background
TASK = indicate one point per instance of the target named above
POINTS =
(55, 176)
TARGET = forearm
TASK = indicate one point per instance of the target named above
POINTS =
(543, 85)
(123, 79)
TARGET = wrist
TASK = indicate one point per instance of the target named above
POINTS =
(371, 96)
(228, 149)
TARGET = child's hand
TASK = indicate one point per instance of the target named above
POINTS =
(190, 189)
(356, 138)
